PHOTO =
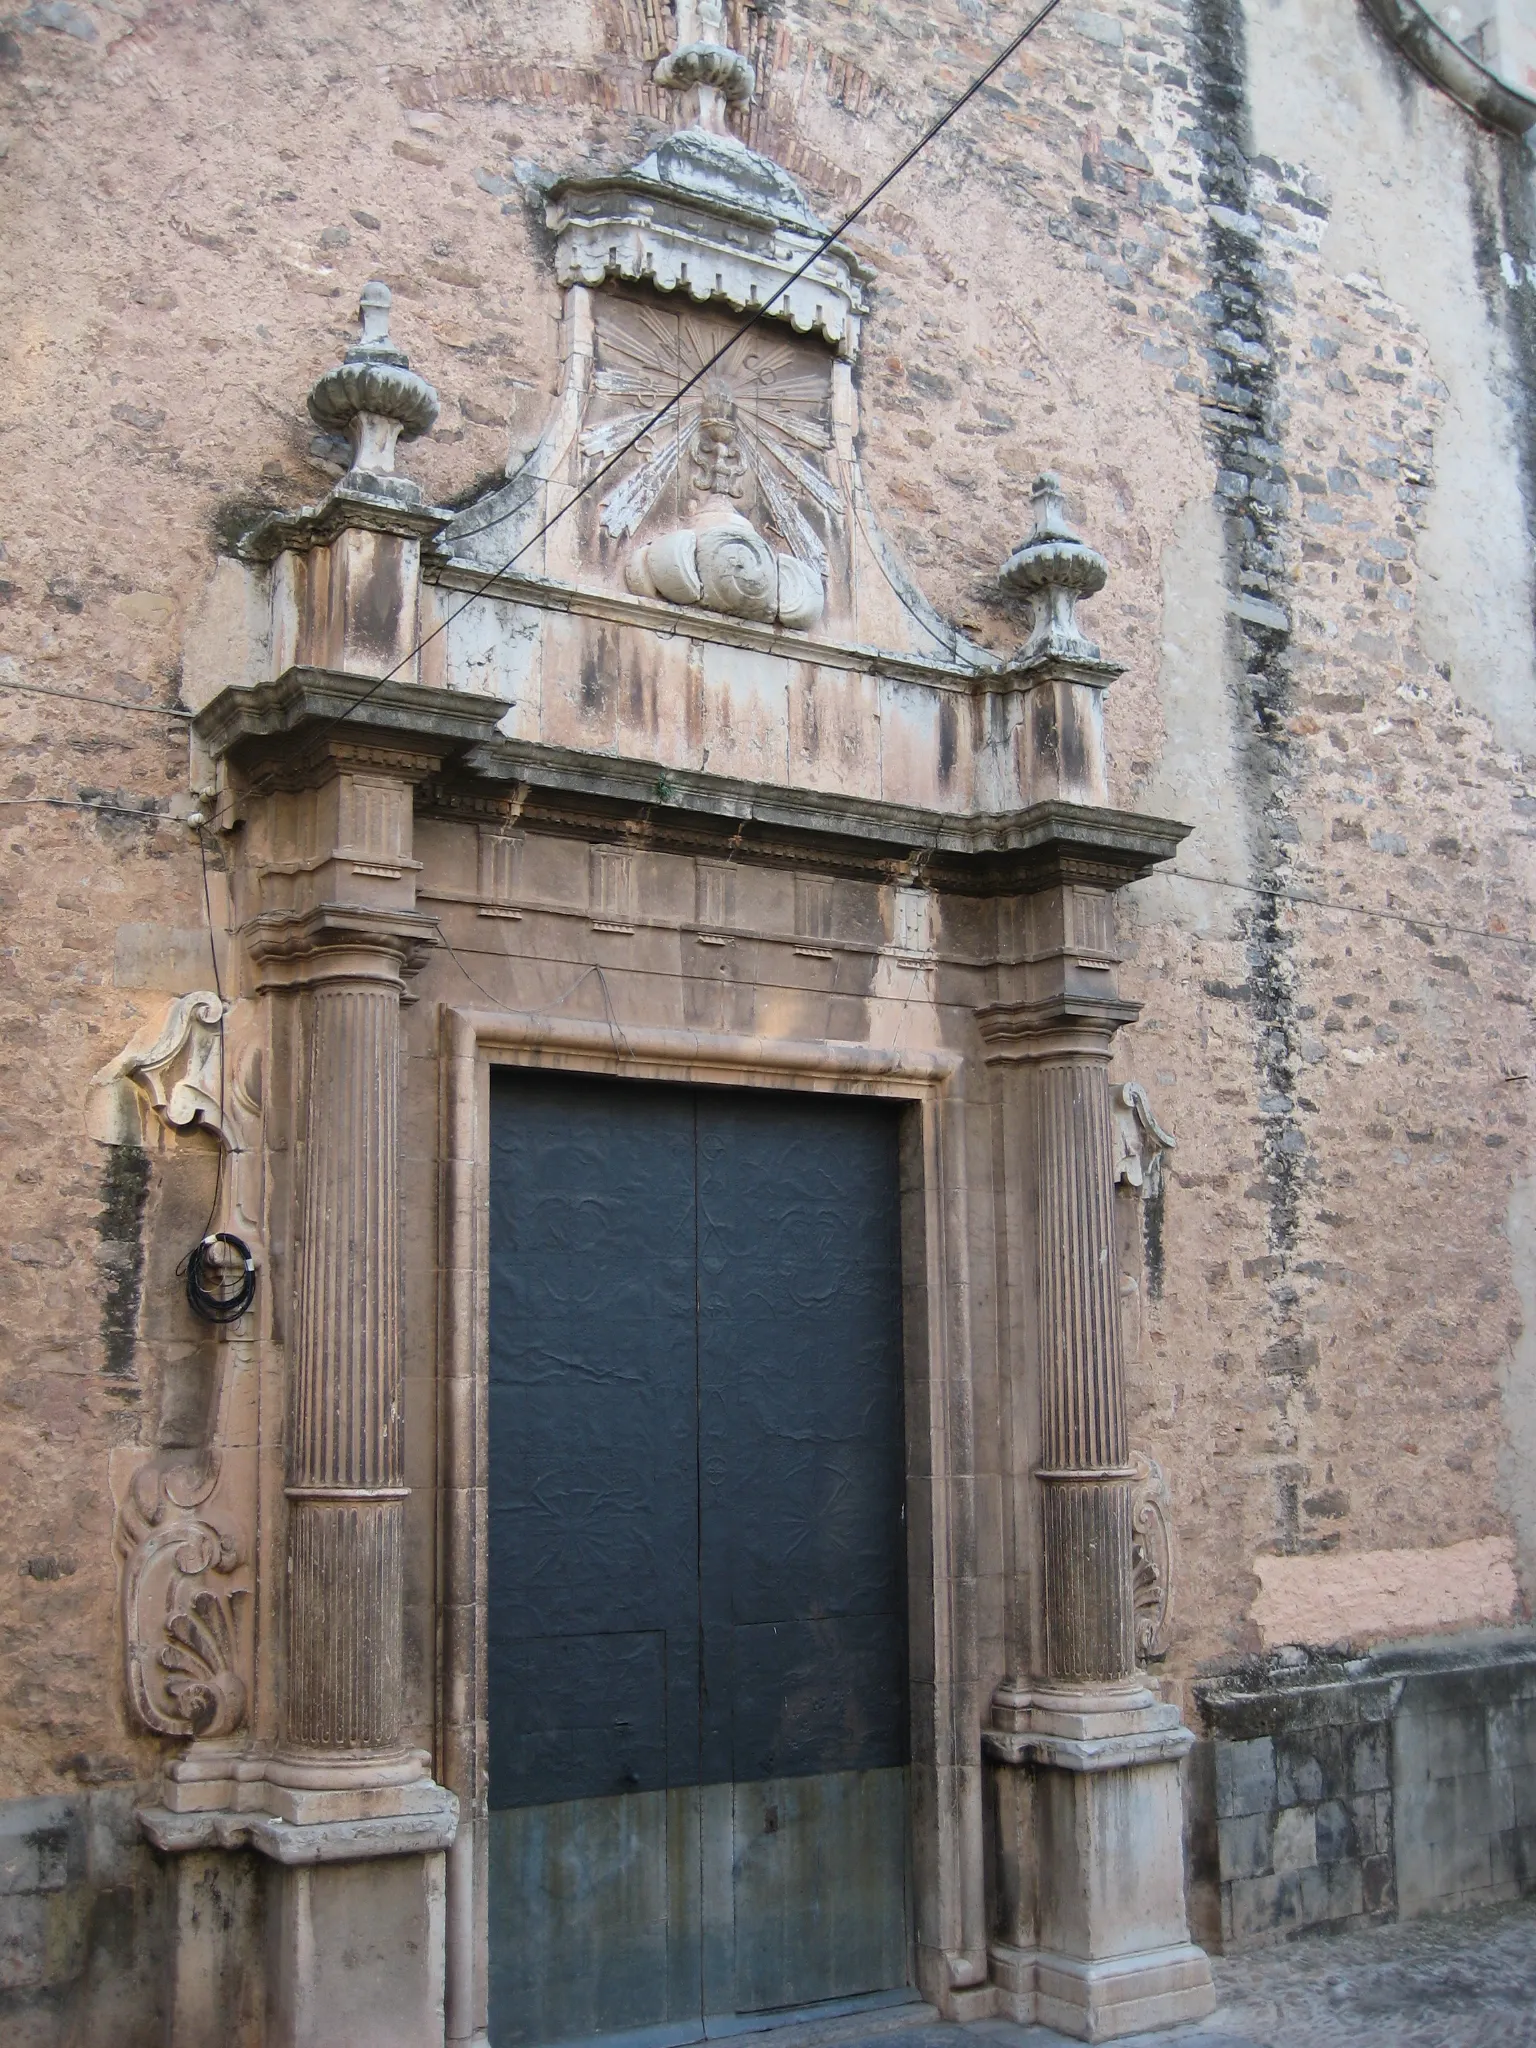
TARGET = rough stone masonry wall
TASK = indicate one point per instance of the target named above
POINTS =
(1362, 1789)
(1255, 289)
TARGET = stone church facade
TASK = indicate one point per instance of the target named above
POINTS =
(930, 821)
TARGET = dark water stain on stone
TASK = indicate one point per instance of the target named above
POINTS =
(1503, 210)
(1243, 431)
(120, 1227)
(1152, 1237)
(949, 739)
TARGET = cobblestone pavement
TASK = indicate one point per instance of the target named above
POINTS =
(1455, 1980)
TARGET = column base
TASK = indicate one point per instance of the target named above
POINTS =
(300, 1788)
(1101, 2001)
(354, 1916)
(1092, 1852)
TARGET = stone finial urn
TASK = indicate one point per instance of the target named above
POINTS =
(1053, 568)
(376, 399)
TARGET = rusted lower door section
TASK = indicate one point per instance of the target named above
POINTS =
(698, 1693)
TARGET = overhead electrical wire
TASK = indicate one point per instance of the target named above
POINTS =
(87, 697)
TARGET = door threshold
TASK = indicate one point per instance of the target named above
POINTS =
(723, 2026)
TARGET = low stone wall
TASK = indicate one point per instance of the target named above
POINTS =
(82, 1956)
(1330, 1791)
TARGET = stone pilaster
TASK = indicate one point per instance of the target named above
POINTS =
(1090, 1933)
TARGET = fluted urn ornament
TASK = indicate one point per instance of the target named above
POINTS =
(376, 399)
(703, 58)
(1053, 568)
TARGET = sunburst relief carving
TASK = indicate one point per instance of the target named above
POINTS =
(756, 426)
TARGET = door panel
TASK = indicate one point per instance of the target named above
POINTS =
(594, 1496)
(697, 1632)
(595, 1919)
(817, 1915)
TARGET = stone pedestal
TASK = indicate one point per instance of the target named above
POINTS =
(1091, 1932)
(1091, 1857)
(356, 1953)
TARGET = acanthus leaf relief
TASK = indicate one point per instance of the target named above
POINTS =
(1151, 1559)
(182, 1592)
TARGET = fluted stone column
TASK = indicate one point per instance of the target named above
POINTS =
(1084, 1471)
(345, 1490)
(1090, 1933)
(355, 1913)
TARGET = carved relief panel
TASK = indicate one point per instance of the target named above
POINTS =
(734, 502)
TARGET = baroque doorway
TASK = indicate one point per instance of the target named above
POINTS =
(697, 1620)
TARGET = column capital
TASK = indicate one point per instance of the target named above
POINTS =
(331, 943)
(1062, 1026)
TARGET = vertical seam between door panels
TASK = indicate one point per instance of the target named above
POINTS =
(698, 1574)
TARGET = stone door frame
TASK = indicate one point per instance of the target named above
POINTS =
(946, 1812)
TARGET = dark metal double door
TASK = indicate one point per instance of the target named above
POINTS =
(698, 1681)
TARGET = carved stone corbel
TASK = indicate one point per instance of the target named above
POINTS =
(1140, 1141)
(191, 1068)
(183, 1588)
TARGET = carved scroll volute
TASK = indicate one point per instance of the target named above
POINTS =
(1151, 1559)
(197, 1066)
(1140, 1141)
(183, 1591)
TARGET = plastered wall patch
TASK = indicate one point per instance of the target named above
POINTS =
(1350, 1595)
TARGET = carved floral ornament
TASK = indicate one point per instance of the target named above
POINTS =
(182, 1591)
(1151, 1559)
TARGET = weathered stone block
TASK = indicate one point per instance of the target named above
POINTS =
(1439, 1745)
(1511, 1736)
(1346, 1890)
(23, 1942)
(1245, 1776)
(1362, 1821)
(1244, 1840)
(1457, 1808)
(1462, 1864)
(1299, 1774)
(1295, 1839)
(1263, 1906)
(35, 1843)
(1378, 1884)
(1336, 1837)
(1370, 1762)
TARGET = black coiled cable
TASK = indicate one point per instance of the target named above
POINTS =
(209, 1277)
